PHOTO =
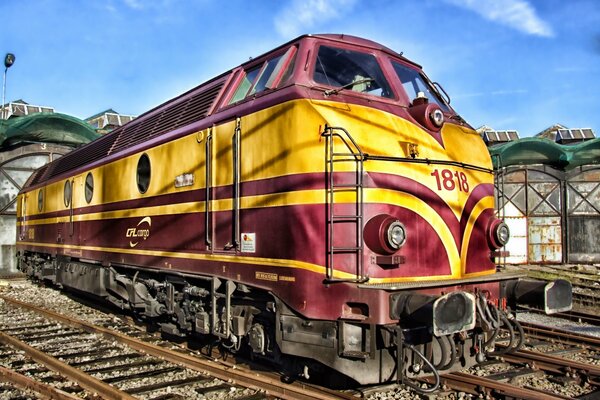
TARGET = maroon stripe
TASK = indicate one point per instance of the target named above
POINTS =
(280, 184)
(293, 232)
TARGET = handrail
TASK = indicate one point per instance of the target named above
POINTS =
(428, 161)
(208, 183)
(237, 133)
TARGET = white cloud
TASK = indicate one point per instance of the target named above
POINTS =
(499, 92)
(508, 92)
(300, 16)
(134, 4)
(517, 14)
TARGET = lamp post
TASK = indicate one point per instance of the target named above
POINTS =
(9, 60)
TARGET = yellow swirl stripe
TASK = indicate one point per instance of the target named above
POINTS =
(484, 203)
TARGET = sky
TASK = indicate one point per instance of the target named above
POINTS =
(507, 64)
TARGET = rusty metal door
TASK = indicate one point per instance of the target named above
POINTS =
(583, 216)
(544, 212)
(530, 201)
(512, 202)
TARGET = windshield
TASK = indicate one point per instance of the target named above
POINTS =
(350, 70)
(413, 83)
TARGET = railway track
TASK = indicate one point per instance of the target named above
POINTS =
(83, 362)
(149, 353)
(573, 315)
(121, 365)
(556, 365)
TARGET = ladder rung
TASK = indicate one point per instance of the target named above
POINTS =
(346, 249)
(355, 160)
(347, 216)
(346, 186)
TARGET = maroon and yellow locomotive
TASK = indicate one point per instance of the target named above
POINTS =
(322, 203)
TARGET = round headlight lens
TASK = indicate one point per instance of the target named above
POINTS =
(396, 235)
(437, 117)
(502, 233)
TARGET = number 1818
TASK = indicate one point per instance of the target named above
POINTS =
(447, 180)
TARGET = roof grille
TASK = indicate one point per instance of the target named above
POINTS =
(38, 174)
(189, 109)
(91, 152)
(182, 111)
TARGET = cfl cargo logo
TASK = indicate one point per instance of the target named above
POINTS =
(142, 230)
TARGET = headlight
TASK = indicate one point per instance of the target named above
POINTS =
(437, 117)
(498, 234)
(384, 234)
(396, 235)
(502, 233)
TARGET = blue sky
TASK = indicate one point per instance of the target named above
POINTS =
(509, 64)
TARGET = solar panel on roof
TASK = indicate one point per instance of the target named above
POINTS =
(570, 135)
(492, 137)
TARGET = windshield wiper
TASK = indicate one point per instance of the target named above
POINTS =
(329, 92)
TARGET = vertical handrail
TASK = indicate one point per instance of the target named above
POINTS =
(24, 218)
(235, 240)
(236, 183)
(499, 175)
(71, 228)
(208, 183)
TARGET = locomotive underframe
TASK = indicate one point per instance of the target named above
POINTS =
(247, 317)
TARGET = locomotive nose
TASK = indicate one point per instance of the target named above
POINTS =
(448, 314)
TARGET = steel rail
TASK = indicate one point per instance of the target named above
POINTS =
(44, 390)
(475, 384)
(84, 380)
(553, 364)
(545, 332)
(573, 315)
(219, 370)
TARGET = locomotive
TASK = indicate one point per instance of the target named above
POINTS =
(321, 206)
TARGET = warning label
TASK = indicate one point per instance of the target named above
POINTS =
(248, 242)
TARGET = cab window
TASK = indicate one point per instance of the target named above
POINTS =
(351, 70)
(413, 83)
(264, 76)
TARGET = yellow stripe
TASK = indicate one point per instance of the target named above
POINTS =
(483, 204)
(254, 261)
(391, 197)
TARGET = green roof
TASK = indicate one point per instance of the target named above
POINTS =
(45, 128)
(529, 151)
